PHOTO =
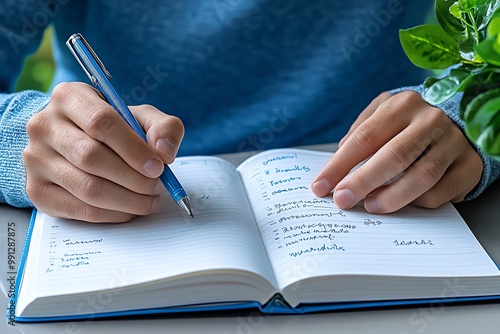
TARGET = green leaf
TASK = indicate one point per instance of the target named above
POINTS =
(496, 44)
(478, 112)
(482, 119)
(485, 12)
(430, 81)
(445, 88)
(456, 11)
(429, 46)
(486, 50)
(475, 16)
(481, 80)
(449, 21)
(489, 139)
(467, 43)
(493, 26)
(481, 111)
(469, 5)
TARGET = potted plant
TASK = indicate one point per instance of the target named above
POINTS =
(467, 43)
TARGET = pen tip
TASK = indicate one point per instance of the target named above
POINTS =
(184, 204)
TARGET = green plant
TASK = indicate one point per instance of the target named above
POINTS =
(467, 39)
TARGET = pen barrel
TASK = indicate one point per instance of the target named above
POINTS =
(167, 177)
(99, 77)
(172, 184)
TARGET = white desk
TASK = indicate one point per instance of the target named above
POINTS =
(482, 216)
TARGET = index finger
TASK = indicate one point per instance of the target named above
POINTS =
(367, 112)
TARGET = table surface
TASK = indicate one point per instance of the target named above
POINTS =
(481, 215)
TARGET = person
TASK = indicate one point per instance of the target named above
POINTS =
(226, 76)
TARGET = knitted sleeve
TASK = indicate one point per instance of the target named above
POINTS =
(15, 110)
(22, 23)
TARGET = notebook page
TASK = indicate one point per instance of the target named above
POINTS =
(307, 236)
(78, 256)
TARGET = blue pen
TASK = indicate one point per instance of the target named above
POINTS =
(99, 76)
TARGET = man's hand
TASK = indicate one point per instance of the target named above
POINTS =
(84, 162)
(402, 134)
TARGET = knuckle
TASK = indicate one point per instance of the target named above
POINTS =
(396, 202)
(437, 117)
(91, 189)
(144, 206)
(409, 97)
(398, 155)
(101, 122)
(86, 153)
(142, 185)
(442, 126)
(175, 124)
(426, 175)
(431, 171)
(61, 91)
(29, 156)
(402, 101)
(449, 192)
(92, 214)
(452, 192)
(392, 205)
(364, 183)
(35, 192)
(475, 162)
(37, 125)
(431, 200)
(364, 139)
(148, 107)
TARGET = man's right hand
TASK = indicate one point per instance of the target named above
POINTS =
(84, 162)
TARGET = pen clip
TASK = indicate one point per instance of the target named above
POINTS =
(71, 45)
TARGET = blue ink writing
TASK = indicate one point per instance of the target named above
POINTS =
(314, 237)
(296, 168)
(413, 242)
(369, 222)
(314, 203)
(283, 157)
(309, 215)
(277, 182)
(69, 242)
(323, 248)
(325, 226)
(287, 190)
(78, 264)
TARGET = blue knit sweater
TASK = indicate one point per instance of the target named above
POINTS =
(241, 74)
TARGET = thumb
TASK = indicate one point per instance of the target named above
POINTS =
(164, 132)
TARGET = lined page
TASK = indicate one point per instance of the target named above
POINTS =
(78, 256)
(306, 236)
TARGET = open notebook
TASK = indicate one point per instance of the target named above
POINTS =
(260, 238)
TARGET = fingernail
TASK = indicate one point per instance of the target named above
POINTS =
(321, 187)
(345, 198)
(372, 205)
(153, 167)
(159, 188)
(157, 205)
(166, 147)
